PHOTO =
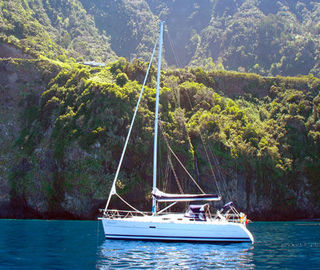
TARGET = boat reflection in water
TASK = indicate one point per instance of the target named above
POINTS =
(162, 255)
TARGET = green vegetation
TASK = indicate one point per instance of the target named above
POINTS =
(83, 117)
(267, 37)
(64, 124)
(53, 29)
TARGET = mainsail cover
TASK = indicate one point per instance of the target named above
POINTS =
(165, 197)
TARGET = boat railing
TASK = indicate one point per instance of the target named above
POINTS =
(119, 214)
(113, 213)
(231, 217)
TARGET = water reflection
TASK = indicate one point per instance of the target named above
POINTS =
(290, 245)
(41, 244)
(116, 254)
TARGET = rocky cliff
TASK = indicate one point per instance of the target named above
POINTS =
(62, 128)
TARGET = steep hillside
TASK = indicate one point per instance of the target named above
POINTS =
(63, 124)
(261, 36)
(64, 130)
(268, 37)
(184, 21)
(53, 29)
(131, 25)
(21, 83)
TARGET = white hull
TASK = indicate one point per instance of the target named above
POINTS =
(175, 228)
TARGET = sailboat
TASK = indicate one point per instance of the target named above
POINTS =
(197, 224)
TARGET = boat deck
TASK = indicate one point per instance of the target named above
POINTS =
(168, 217)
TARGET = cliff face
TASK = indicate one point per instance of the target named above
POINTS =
(63, 125)
(7, 51)
(21, 85)
(30, 180)
(62, 129)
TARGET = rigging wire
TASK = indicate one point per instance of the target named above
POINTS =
(173, 153)
(202, 140)
(113, 188)
(135, 209)
(171, 46)
(224, 184)
(175, 175)
(178, 94)
(166, 174)
(210, 165)
(169, 162)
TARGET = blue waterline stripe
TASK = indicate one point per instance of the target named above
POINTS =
(178, 237)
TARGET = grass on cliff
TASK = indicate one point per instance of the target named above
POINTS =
(84, 114)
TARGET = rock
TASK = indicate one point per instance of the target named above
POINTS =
(10, 51)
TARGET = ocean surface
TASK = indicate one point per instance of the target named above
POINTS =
(41, 244)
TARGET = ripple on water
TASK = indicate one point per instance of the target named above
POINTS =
(161, 255)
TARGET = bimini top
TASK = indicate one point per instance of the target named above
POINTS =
(165, 197)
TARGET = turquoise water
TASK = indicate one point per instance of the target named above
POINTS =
(39, 244)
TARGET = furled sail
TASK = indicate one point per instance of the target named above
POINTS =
(165, 197)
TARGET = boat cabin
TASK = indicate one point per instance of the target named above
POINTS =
(197, 212)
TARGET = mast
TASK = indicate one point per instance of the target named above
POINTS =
(113, 188)
(154, 200)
